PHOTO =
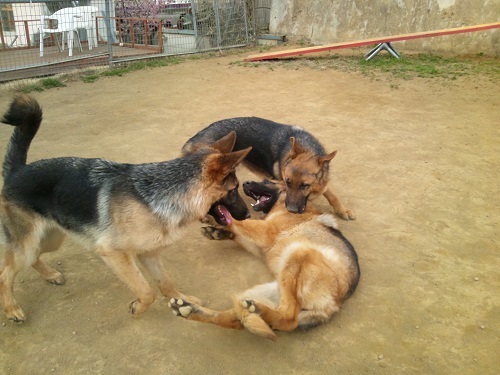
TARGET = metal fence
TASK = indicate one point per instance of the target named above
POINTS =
(49, 37)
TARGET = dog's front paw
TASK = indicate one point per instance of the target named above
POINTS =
(181, 307)
(209, 220)
(216, 233)
(137, 307)
(15, 314)
(56, 278)
(347, 215)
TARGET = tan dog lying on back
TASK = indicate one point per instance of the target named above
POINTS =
(315, 267)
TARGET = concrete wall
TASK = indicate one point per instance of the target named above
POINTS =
(333, 21)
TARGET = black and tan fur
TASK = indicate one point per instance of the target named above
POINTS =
(232, 200)
(282, 152)
(127, 212)
(315, 268)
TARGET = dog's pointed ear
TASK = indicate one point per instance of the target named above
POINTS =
(234, 158)
(227, 162)
(296, 148)
(226, 143)
(327, 158)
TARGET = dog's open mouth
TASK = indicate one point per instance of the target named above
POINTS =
(223, 215)
(265, 194)
(260, 200)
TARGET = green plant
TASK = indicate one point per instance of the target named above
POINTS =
(122, 69)
(406, 67)
(43, 84)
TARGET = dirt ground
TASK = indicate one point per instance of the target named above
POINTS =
(418, 162)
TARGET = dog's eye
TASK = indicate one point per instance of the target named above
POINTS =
(288, 182)
(304, 186)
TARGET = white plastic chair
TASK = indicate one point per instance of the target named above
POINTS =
(69, 20)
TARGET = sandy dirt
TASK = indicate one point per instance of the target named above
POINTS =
(418, 162)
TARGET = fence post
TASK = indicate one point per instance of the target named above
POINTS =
(193, 15)
(246, 22)
(254, 25)
(2, 39)
(107, 22)
(217, 22)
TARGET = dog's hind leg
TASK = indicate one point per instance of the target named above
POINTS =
(11, 266)
(50, 242)
(284, 317)
(23, 248)
(154, 265)
(125, 266)
(338, 206)
(312, 318)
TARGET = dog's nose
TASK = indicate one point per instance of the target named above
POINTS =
(295, 209)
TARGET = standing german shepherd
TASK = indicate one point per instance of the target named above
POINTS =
(282, 152)
(316, 268)
(127, 212)
(232, 200)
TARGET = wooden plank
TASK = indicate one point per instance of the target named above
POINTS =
(366, 42)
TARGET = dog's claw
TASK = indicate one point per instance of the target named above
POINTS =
(17, 320)
(137, 307)
(131, 307)
(57, 279)
(16, 315)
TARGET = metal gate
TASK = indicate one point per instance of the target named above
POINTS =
(104, 32)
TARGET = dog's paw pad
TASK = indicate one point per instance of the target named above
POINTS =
(207, 232)
(185, 310)
(175, 301)
(214, 233)
(249, 305)
(180, 307)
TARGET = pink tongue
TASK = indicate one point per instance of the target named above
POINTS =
(263, 199)
(227, 216)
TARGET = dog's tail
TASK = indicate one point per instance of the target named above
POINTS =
(255, 324)
(26, 115)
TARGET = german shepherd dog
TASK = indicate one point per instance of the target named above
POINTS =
(282, 152)
(232, 201)
(315, 268)
(126, 212)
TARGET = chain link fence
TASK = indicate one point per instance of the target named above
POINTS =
(48, 37)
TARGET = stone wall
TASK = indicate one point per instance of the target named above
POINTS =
(333, 21)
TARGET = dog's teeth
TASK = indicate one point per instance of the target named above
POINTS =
(244, 304)
(175, 313)
(180, 302)
(252, 204)
(169, 304)
(251, 308)
(172, 301)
